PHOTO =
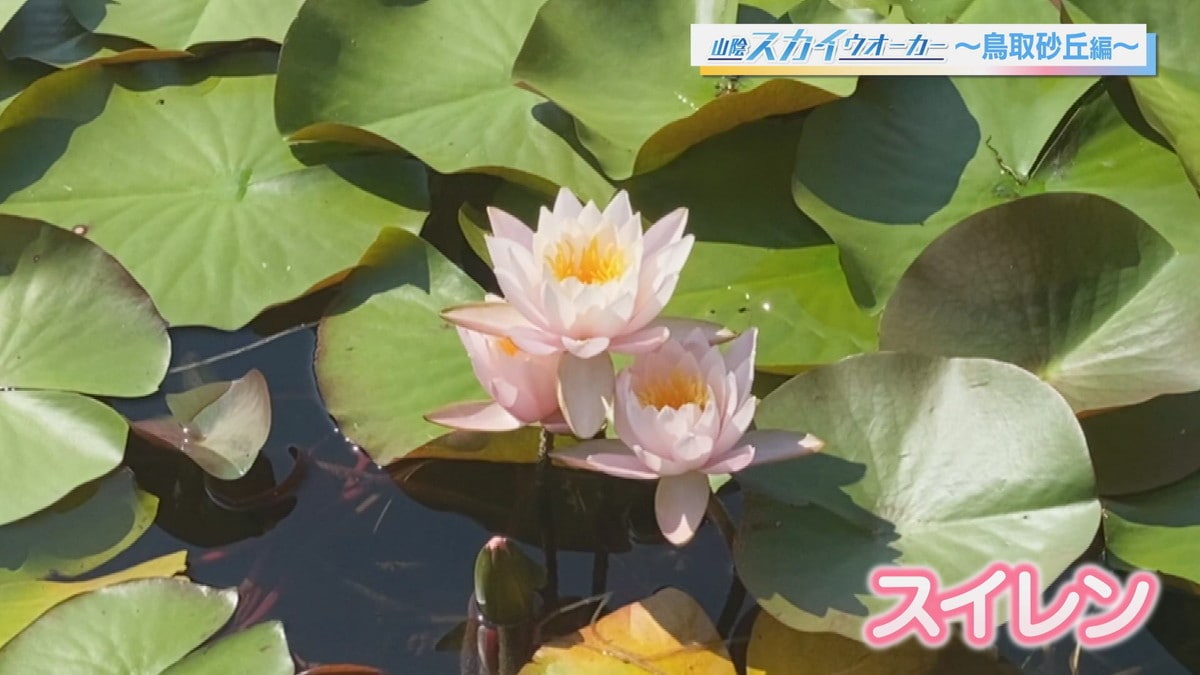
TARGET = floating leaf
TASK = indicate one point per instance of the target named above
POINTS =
(16, 75)
(222, 426)
(665, 633)
(776, 649)
(24, 601)
(1072, 287)
(199, 190)
(182, 24)
(758, 261)
(637, 121)
(261, 649)
(1145, 446)
(1170, 98)
(1157, 530)
(892, 167)
(45, 31)
(344, 62)
(385, 357)
(899, 482)
(51, 283)
(80, 532)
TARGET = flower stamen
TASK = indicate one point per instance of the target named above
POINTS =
(595, 263)
(675, 390)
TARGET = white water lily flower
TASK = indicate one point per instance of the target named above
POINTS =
(522, 387)
(682, 412)
(586, 283)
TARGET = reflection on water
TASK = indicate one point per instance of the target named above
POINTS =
(361, 571)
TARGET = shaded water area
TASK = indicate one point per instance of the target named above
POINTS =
(374, 567)
(357, 569)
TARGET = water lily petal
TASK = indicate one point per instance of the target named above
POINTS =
(667, 229)
(491, 318)
(607, 456)
(640, 341)
(679, 504)
(566, 205)
(618, 210)
(586, 349)
(773, 445)
(508, 226)
(536, 342)
(585, 392)
(733, 461)
(475, 416)
(715, 333)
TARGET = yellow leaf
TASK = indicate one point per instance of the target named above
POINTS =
(776, 649)
(22, 602)
(667, 634)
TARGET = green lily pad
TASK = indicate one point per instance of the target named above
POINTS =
(1157, 530)
(1171, 98)
(888, 169)
(222, 426)
(26, 600)
(183, 24)
(637, 121)
(758, 260)
(144, 627)
(52, 283)
(53, 441)
(431, 77)
(201, 199)
(1145, 446)
(46, 31)
(1072, 287)
(80, 532)
(260, 649)
(899, 482)
(16, 75)
(385, 357)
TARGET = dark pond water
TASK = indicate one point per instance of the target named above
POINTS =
(373, 567)
(357, 569)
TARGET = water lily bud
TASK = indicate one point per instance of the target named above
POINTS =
(506, 582)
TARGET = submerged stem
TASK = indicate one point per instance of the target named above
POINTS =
(546, 513)
(720, 517)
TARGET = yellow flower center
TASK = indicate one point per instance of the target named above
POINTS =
(673, 391)
(507, 346)
(595, 263)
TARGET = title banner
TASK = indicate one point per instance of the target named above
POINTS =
(923, 49)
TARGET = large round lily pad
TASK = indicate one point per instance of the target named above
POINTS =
(431, 77)
(633, 121)
(870, 171)
(144, 627)
(385, 357)
(1170, 98)
(1157, 530)
(184, 23)
(71, 320)
(901, 481)
(1073, 287)
(758, 261)
(80, 532)
(199, 197)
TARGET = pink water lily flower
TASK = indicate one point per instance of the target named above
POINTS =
(586, 283)
(682, 412)
(522, 387)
